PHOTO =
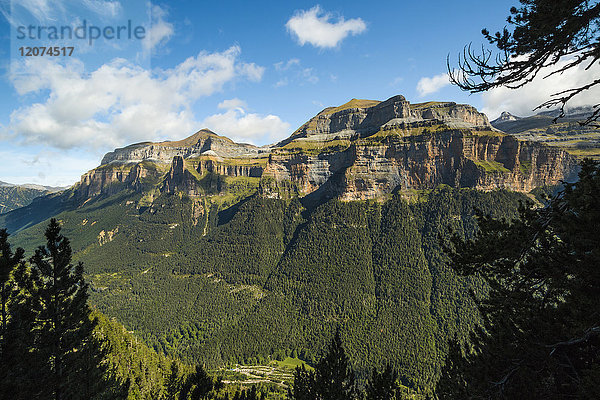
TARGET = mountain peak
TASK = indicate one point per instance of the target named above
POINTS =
(201, 135)
(506, 116)
(360, 118)
(202, 142)
(354, 103)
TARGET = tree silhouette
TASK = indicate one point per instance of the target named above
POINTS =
(541, 325)
(303, 387)
(8, 263)
(544, 32)
(198, 385)
(174, 382)
(383, 385)
(333, 378)
(62, 321)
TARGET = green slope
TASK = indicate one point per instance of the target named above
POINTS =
(13, 197)
(267, 276)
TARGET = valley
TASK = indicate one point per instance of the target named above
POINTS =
(223, 253)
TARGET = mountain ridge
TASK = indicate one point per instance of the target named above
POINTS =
(363, 149)
(568, 133)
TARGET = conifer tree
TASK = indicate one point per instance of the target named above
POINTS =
(63, 324)
(8, 263)
(541, 331)
(174, 382)
(16, 372)
(383, 385)
(198, 385)
(334, 378)
(303, 387)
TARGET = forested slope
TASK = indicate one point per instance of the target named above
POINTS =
(265, 275)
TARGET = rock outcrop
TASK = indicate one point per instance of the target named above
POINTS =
(360, 118)
(202, 142)
(179, 178)
(452, 157)
(363, 149)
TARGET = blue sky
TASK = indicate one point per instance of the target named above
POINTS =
(252, 71)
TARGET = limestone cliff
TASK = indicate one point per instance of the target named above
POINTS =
(110, 179)
(368, 170)
(363, 149)
(179, 178)
(366, 149)
(203, 141)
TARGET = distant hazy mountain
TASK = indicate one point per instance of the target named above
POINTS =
(566, 133)
(15, 196)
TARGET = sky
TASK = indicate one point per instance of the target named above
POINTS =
(253, 71)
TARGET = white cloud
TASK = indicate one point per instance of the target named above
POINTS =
(51, 168)
(54, 10)
(232, 104)
(309, 76)
(427, 85)
(105, 8)
(524, 100)
(252, 71)
(118, 103)
(292, 71)
(160, 31)
(314, 27)
(282, 82)
(241, 126)
(396, 81)
(41, 10)
(284, 66)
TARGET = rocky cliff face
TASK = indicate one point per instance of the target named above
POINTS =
(360, 118)
(179, 178)
(453, 157)
(361, 150)
(394, 145)
(567, 133)
(112, 179)
(201, 142)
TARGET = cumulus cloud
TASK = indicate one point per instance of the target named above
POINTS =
(292, 71)
(314, 27)
(160, 30)
(119, 103)
(105, 8)
(284, 66)
(241, 126)
(232, 104)
(524, 100)
(428, 85)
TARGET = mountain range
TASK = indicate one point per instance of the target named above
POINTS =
(222, 252)
(568, 132)
(15, 196)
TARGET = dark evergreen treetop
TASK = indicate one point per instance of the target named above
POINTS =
(541, 319)
(544, 32)
(334, 378)
(63, 314)
(8, 262)
(383, 385)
